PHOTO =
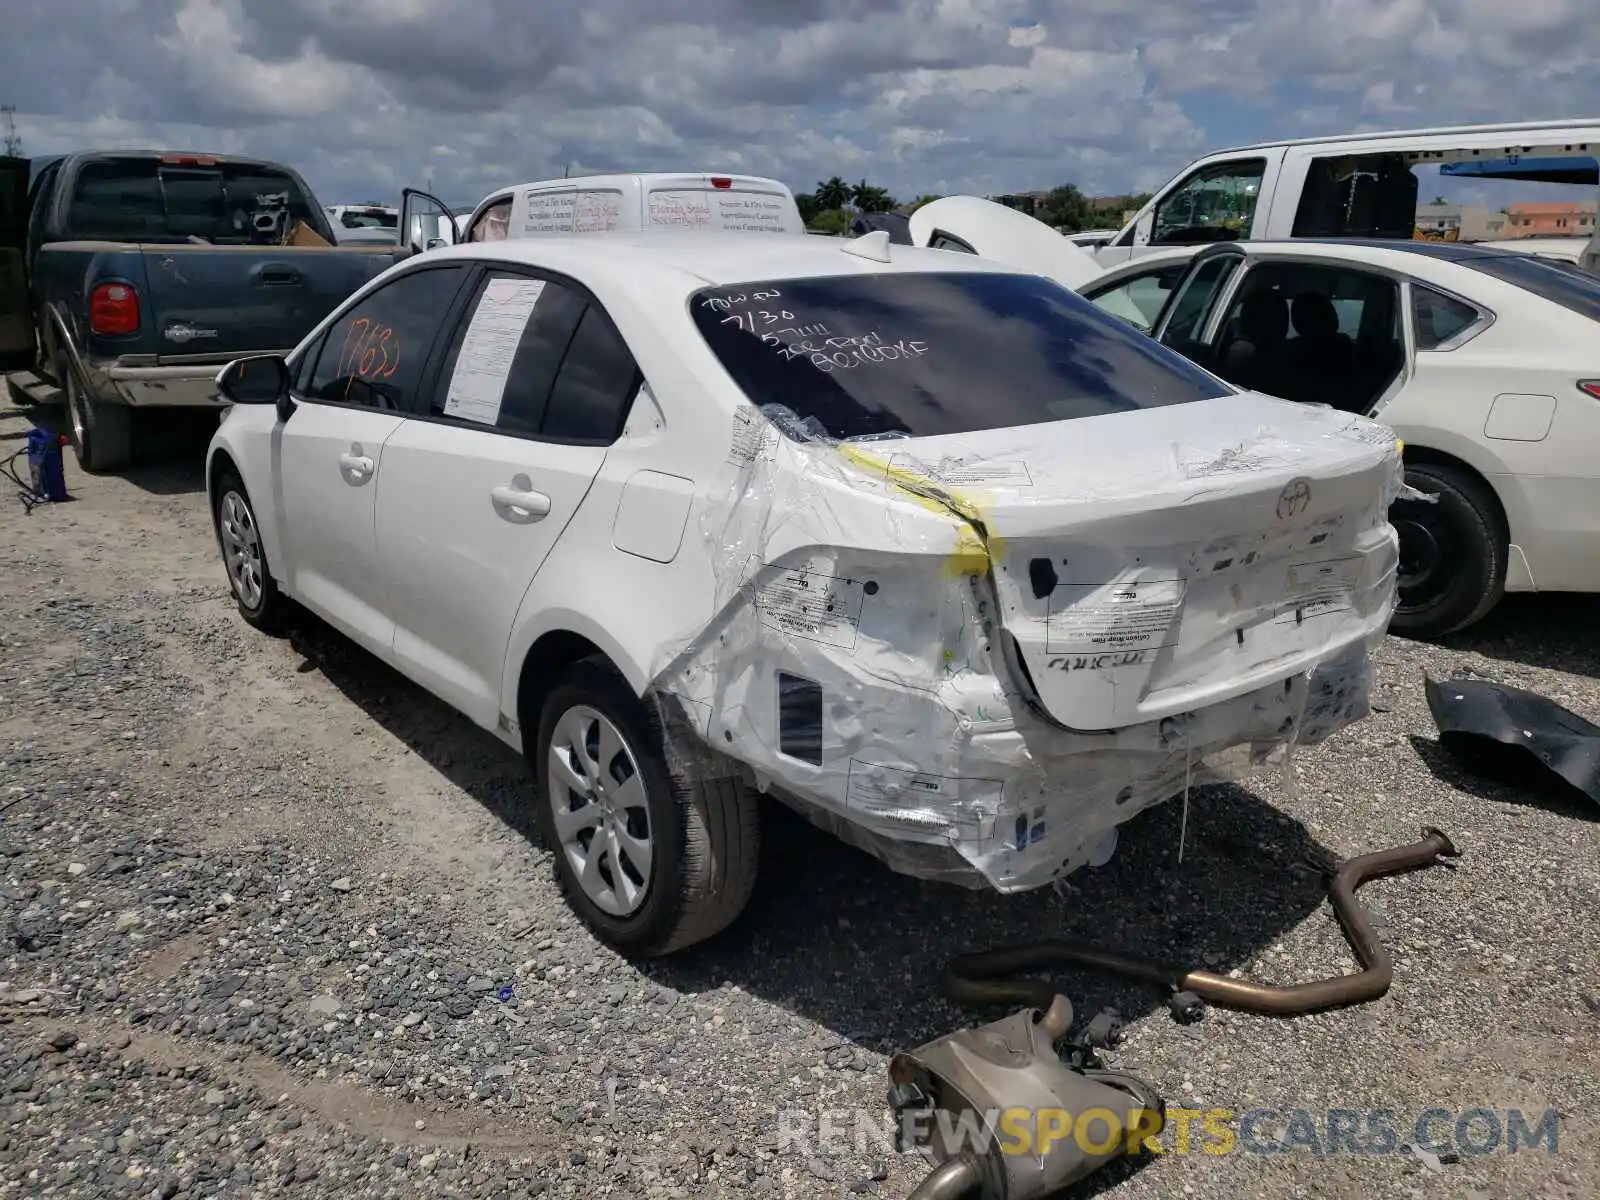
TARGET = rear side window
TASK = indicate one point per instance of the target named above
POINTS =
(536, 358)
(595, 385)
(1372, 196)
(922, 354)
(228, 204)
(478, 383)
(369, 218)
(1561, 283)
(1439, 318)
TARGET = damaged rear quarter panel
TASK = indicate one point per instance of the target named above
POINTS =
(857, 598)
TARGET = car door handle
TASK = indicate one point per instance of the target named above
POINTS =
(276, 275)
(519, 505)
(356, 466)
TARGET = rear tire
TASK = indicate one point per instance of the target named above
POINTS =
(702, 835)
(102, 434)
(1452, 552)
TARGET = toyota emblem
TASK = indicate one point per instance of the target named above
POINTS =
(1292, 501)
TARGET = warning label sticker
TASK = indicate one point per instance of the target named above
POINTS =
(953, 472)
(919, 798)
(753, 437)
(806, 604)
(1124, 616)
(1319, 589)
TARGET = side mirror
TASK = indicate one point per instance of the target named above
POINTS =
(435, 243)
(258, 379)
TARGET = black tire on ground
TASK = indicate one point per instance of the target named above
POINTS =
(233, 517)
(705, 834)
(102, 434)
(1452, 552)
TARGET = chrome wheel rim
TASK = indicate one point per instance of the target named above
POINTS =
(602, 821)
(241, 548)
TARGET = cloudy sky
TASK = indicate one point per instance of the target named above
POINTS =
(918, 95)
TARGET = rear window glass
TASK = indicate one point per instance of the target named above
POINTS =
(369, 218)
(233, 204)
(924, 354)
(1561, 283)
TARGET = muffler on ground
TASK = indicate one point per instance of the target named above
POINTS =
(1006, 1119)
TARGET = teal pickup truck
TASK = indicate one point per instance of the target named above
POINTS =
(129, 279)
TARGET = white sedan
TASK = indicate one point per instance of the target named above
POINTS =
(931, 548)
(1486, 363)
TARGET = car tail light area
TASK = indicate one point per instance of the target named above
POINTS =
(1590, 386)
(114, 309)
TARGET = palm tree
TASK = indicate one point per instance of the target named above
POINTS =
(871, 199)
(832, 193)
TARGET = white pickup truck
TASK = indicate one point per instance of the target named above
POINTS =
(1354, 186)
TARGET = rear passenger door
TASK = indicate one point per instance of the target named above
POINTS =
(479, 484)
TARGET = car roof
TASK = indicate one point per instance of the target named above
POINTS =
(1370, 250)
(712, 258)
(1380, 135)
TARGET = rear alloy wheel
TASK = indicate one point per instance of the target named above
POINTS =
(102, 434)
(1452, 552)
(651, 860)
(239, 537)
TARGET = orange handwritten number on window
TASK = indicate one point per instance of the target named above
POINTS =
(352, 345)
(387, 368)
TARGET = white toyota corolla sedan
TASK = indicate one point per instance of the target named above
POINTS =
(932, 549)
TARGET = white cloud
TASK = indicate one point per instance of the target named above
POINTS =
(919, 95)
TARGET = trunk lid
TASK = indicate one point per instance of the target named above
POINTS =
(234, 300)
(1153, 562)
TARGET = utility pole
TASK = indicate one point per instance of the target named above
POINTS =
(8, 121)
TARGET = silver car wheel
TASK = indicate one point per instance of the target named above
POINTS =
(241, 548)
(602, 820)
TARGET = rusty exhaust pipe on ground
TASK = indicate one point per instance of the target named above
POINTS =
(988, 976)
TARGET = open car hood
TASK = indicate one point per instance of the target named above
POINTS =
(1007, 236)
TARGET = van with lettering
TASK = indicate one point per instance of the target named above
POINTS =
(627, 203)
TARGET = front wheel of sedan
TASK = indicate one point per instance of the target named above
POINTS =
(239, 537)
(652, 860)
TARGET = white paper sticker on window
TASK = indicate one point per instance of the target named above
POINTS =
(479, 382)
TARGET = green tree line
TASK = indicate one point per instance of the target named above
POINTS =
(833, 203)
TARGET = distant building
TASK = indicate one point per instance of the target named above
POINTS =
(1480, 224)
(1547, 218)
(1439, 221)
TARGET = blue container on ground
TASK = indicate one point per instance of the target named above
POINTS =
(45, 467)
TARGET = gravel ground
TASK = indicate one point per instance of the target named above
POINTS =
(274, 925)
